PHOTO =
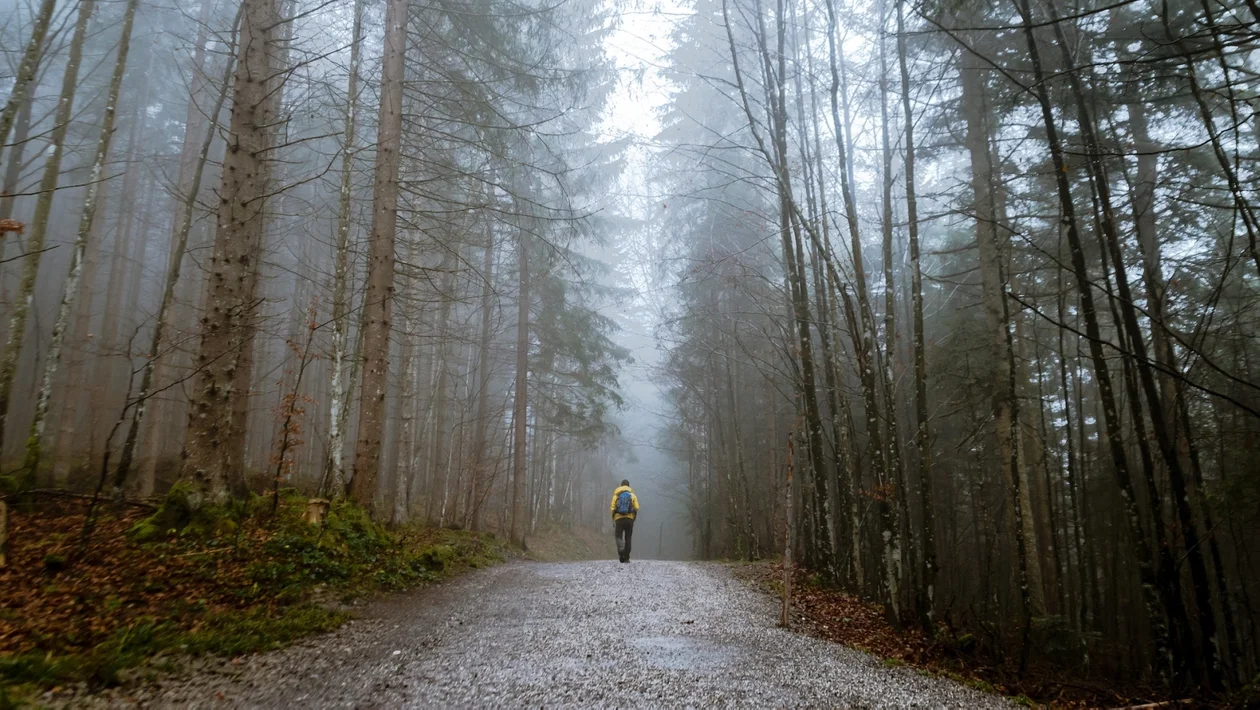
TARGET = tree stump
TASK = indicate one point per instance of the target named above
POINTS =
(316, 511)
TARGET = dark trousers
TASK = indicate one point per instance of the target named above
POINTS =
(625, 530)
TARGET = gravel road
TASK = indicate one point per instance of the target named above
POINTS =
(583, 634)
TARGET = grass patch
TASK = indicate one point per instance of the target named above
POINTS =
(192, 580)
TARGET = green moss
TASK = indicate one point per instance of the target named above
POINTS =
(184, 512)
(226, 634)
(174, 515)
(260, 630)
(437, 557)
(982, 686)
(349, 556)
(6, 702)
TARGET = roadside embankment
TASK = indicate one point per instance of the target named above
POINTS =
(147, 588)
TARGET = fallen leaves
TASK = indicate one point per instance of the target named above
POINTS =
(842, 618)
(48, 604)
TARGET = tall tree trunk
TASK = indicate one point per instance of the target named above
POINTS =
(401, 509)
(1005, 411)
(120, 265)
(439, 444)
(73, 386)
(896, 466)
(16, 336)
(927, 589)
(828, 326)
(13, 171)
(27, 73)
(34, 450)
(338, 392)
(378, 301)
(1155, 594)
(1172, 396)
(1159, 423)
(862, 328)
(1086, 568)
(164, 319)
(481, 420)
(12, 175)
(519, 402)
(213, 451)
(189, 163)
(791, 222)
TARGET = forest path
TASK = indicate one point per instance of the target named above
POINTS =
(646, 634)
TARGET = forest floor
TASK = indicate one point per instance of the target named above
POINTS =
(573, 634)
(556, 544)
(220, 615)
(845, 619)
(140, 600)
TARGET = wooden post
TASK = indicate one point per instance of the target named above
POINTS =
(4, 532)
(787, 547)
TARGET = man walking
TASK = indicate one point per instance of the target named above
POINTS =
(624, 509)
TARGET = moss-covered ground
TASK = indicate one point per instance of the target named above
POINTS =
(185, 581)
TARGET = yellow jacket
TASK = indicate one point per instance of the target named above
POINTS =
(634, 500)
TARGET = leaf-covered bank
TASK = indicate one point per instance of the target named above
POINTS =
(225, 581)
(831, 614)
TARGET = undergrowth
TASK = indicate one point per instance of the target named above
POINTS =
(195, 580)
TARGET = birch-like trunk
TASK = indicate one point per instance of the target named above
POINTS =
(73, 386)
(406, 407)
(338, 392)
(34, 450)
(112, 374)
(862, 329)
(27, 73)
(16, 336)
(13, 170)
(904, 557)
(439, 443)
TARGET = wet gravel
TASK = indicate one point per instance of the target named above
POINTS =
(582, 634)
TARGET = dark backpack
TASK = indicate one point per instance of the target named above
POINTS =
(625, 503)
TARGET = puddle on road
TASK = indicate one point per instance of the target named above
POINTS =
(685, 653)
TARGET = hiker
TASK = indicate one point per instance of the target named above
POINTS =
(624, 509)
